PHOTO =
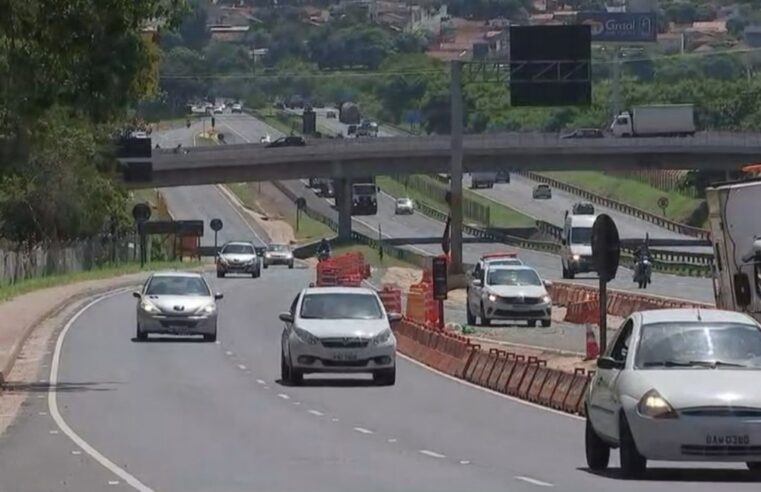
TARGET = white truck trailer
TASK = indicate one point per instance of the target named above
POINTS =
(736, 235)
(659, 120)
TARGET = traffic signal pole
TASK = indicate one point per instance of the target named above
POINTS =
(455, 173)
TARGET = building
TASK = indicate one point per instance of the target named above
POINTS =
(401, 16)
(228, 34)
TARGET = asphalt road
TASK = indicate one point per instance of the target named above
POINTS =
(336, 126)
(177, 415)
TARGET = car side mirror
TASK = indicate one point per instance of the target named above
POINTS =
(393, 317)
(218, 295)
(477, 282)
(609, 363)
(286, 317)
(137, 295)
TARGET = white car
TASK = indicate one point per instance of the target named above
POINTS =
(677, 385)
(509, 292)
(177, 303)
(265, 139)
(338, 330)
(277, 254)
(238, 257)
(236, 108)
(404, 206)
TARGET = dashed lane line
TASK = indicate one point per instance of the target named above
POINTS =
(432, 454)
(533, 481)
(362, 430)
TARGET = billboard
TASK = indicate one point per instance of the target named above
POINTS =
(620, 27)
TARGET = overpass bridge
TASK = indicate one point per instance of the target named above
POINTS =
(415, 155)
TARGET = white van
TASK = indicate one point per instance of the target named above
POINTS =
(576, 245)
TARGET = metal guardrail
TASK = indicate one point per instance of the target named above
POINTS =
(621, 207)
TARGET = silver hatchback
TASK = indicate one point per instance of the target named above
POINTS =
(177, 303)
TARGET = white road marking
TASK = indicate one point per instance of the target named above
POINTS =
(297, 403)
(316, 412)
(113, 482)
(53, 403)
(392, 440)
(76, 452)
(53, 431)
(40, 396)
(228, 352)
(217, 343)
(363, 430)
(43, 380)
(222, 190)
(464, 462)
(265, 387)
(241, 367)
(432, 454)
(261, 381)
(42, 413)
(283, 396)
(533, 481)
(334, 419)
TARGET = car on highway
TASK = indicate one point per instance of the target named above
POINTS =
(583, 208)
(404, 206)
(677, 385)
(338, 330)
(238, 257)
(509, 292)
(277, 254)
(490, 259)
(503, 177)
(236, 108)
(584, 133)
(289, 141)
(331, 115)
(176, 303)
(576, 245)
(265, 139)
(219, 109)
(542, 191)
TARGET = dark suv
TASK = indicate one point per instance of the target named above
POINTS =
(289, 141)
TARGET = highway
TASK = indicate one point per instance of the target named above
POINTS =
(175, 415)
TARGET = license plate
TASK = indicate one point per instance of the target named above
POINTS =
(727, 439)
(345, 356)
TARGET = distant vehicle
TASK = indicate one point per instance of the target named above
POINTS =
(503, 177)
(364, 198)
(238, 257)
(139, 134)
(661, 392)
(176, 303)
(265, 139)
(367, 129)
(278, 254)
(542, 191)
(352, 130)
(509, 292)
(583, 208)
(236, 108)
(483, 179)
(295, 101)
(327, 189)
(331, 115)
(584, 133)
(576, 245)
(657, 120)
(338, 330)
(219, 110)
(289, 141)
(404, 206)
(348, 113)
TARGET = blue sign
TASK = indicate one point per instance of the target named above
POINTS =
(620, 27)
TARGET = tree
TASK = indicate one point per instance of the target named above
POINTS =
(193, 29)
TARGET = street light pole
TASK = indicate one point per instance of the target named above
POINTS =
(455, 171)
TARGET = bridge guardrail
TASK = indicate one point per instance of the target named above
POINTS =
(621, 207)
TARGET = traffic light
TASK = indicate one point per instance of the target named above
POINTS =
(439, 272)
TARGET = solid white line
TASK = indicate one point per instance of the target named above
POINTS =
(316, 412)
(363, 430)
(234, 206)
(432, 454)
(533, 481)
(283, 396)
(53, 404)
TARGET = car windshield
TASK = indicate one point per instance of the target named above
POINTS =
(699, 345)
(364, 189)
(280, 248)
(340, 306)
(403, 201)
(515, 277)
(581, 235)
(179, 285)
(543, 187)
(238, 249)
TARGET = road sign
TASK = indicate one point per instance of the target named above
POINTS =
(301, 203)
(663, 202)
(606, 247)
(141, 212)
(216, 225)
(620, 26)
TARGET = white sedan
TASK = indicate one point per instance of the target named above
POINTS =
(338, 330)
(677, 385)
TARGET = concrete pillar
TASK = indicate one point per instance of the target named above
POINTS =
(455, 171)
(343, 205)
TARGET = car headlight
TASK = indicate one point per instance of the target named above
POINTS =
(306, 336)
(546, 299)
(655, 406)
(209, 308)
(492, 298)
(148, 307)
(267, 255)
(382, 337)
(576, 257)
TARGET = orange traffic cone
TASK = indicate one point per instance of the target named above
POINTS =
(593, 350)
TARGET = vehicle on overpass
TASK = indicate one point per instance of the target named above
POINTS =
(404, 206)
(331, 115)
(541, 192)
(509, 292)
(367, 129)
(658, 120)
(364, 198)
(736, 234)
(584, 133)
(576, 245)
(677, 385)
(485, 179)
(326, 188)
(288, 141)
(176, 303)
(502, 177)
(583, 208)
(338, 330)
(238, 257)
(277, 254)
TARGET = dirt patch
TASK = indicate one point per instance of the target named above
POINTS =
(401, 276)
(278, 230)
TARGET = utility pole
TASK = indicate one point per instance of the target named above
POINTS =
(616, 89)
(455, 171)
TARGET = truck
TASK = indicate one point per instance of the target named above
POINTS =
(736, 236)
(484, 179)
(348, 114)
(656, 120)
(364, 196)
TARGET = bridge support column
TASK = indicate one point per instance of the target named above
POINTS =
(456, 274)
(343, 205)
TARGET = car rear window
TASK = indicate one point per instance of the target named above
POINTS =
(340, 306)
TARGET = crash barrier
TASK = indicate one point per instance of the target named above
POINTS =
(449, 353)
(428, 186)
(391, 296)
(620, 303)
(621, 207)
(348, 269)
(583, 312)
(421, 306)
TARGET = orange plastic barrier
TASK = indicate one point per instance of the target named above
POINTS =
(348, 269)
(391, 296)
(583, 312)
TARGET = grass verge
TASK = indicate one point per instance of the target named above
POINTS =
(9, 291)
(501, 215)
(633, 192)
